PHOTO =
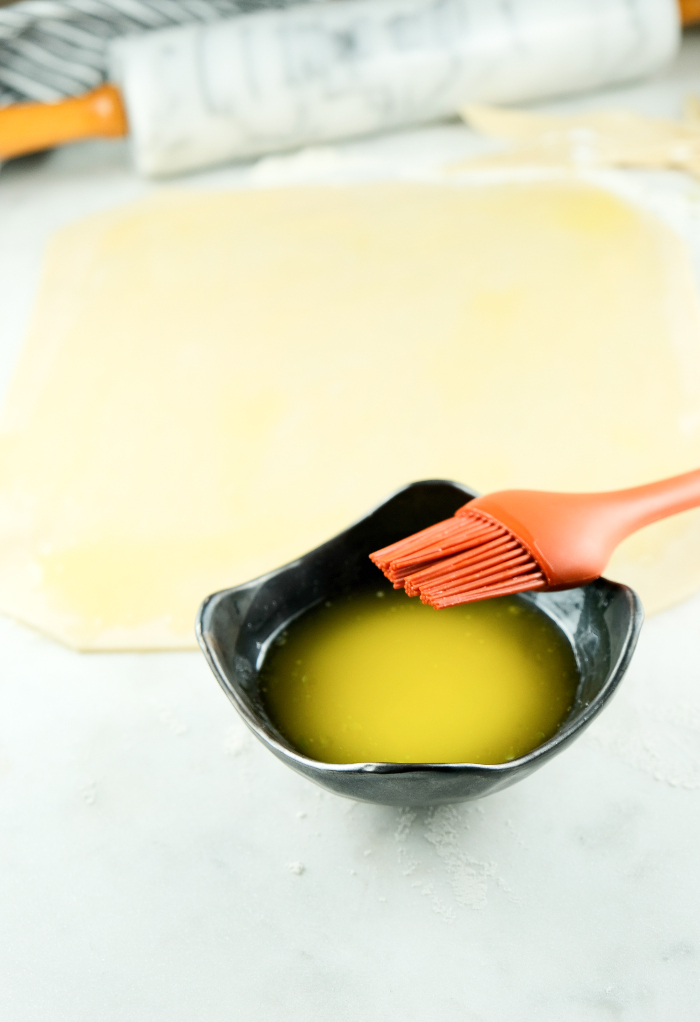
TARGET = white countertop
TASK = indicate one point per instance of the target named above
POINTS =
(157, 864)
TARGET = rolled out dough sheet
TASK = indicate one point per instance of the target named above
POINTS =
(213, 384)
(598, 138)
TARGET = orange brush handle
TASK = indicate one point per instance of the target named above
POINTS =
(643, 505)
(572, 535)
(31, 127)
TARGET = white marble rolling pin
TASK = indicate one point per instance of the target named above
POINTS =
(202, 93)
(272, 80)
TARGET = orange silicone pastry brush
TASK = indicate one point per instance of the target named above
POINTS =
(515, 540)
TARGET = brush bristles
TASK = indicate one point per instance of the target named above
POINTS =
(462, 559)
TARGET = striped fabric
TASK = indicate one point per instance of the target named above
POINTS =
(55, 48)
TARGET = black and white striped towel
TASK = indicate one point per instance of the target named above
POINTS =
(55, 48)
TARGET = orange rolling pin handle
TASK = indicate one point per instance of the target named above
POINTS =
(690, 11)
(31, 127)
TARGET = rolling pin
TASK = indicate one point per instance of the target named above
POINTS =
(201, 94)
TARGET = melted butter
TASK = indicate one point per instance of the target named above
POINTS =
(376, 677)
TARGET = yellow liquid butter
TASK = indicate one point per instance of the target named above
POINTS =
(378, 677)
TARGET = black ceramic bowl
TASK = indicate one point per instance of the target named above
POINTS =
(235, 628)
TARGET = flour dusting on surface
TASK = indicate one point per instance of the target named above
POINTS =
(445, 830)
(169, 719)
(665, 743)
(433, 850)
(236, 739)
